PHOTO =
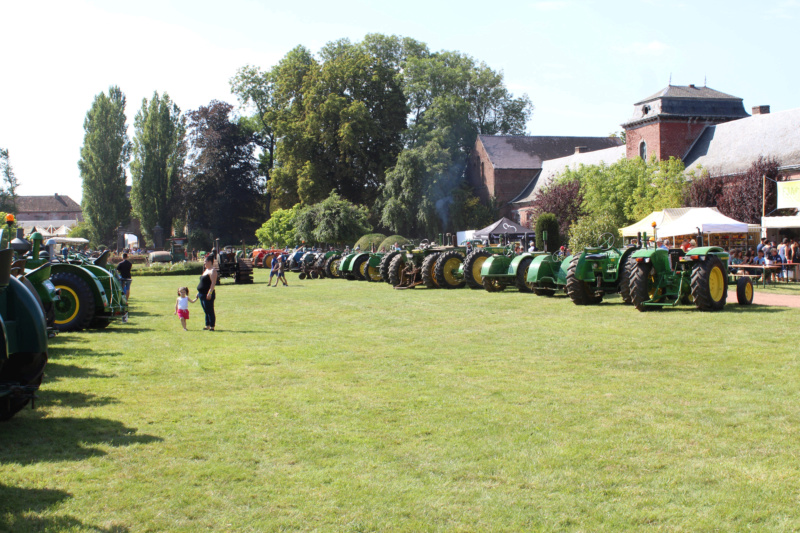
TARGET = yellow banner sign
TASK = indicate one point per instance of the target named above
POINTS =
(788, 194)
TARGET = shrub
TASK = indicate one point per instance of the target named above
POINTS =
(370, 239)
(586, 231)
(549, 223)
(390, 240)
(167, 269)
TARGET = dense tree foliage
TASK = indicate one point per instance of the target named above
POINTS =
(739, 197)
(547, 222)
(588, 231)
(563, 198)
(221, 191)
(159, 153)
(333, 221)
(280, 230)
(8, 190)
(104, 156)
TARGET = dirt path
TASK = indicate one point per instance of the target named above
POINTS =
(765, 298)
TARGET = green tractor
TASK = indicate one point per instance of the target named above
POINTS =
(599, 270)
(90, 292)
(509, 268)
(547, 274)
(666, 278)
(23, 347)
(433, 265)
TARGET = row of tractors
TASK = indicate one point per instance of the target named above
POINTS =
(41, 294)
(647, 278)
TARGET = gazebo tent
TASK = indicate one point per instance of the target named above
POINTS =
(706, 219)
(505, 228)
(661, 218)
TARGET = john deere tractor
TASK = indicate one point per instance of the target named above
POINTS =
(599, 270)
(234, 263)
(433, 265)
(666, 278)
(508, 269)
(23, 340)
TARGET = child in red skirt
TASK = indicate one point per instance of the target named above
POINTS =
(182, 305)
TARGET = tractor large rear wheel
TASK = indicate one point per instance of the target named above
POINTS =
(332, 266)
(428, 274)
(626, 270)
(25, 369)
(709, 284)
(76, 307)
(386, 260)
(579, 291)
(744, 290)
(396, 268)
(521, 280)
(642, 286)
(362, 269)
(446, 269)
(372, 273)
(472, 268)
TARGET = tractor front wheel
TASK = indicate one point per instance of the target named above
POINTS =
(396, 268)
(446, 268)
(625, 275)
(386, 260)
(744, 290)
(709, 284)
(358, 266)
(579, 291)
(642, 286)
(76, 306)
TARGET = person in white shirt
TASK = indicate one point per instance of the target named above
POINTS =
(182, 305)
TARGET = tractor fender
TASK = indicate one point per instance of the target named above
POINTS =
(375, 259)
(658, 257)
(561, 279)
(543, 271)
(515, 261)
(710, 250)
(347, 260)
(31, 325)
(86, 275)
(497, 265)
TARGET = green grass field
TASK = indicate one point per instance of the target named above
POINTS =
(348, 406)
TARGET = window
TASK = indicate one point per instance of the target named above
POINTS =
(483, 174)
(643, 150)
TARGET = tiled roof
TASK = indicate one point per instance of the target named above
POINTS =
(526, 152)
(555, 167)
(689, 91)
(730, 148)
(39, 204)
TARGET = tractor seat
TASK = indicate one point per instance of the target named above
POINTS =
(675, 255)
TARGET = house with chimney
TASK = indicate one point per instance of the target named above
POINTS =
(54, 207)
(705, 128)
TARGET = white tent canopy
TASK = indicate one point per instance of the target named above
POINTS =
(704, 219)
(659, 217)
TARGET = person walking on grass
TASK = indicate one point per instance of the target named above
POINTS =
(273, 272)
(281, 274)
(182, 305)
(206, 293)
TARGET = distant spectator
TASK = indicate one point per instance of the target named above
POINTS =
(124, 269)
(761, 244)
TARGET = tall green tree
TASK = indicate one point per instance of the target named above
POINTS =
(333, 220)
(221, 189)
(8, 191)
(104, 156)
(159, 153)
(280, 230)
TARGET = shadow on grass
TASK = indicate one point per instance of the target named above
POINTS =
(22, 505)
(29, 439)
(75, 400)
(57, 371)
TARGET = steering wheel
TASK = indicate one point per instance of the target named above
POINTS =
(557, 256)
(606, 240)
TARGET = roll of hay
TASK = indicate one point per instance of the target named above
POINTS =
(368, 240)
(389, 241)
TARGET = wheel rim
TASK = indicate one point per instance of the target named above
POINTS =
(432, 273)
(335, 267)
(373, 273)
(476, 268)
(68, 305)
(748, 291)
(716, 284)
(528, 284)
(450, 267)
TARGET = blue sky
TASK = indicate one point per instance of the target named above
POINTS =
(583, 63)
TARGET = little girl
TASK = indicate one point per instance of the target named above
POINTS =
(182, 305)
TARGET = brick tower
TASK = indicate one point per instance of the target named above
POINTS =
(668, 122)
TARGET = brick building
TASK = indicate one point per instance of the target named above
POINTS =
(503, 165)
(50, 208)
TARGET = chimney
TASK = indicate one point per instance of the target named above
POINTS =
(581, 149)
(760, 110)
(58, 199)
(691, 86)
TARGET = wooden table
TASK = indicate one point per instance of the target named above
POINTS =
(762, 268)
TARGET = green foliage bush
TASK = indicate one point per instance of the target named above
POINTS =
(391, 239)
(369, 240)
(280, 230)
(168, 269)
(549, 223)
(588, 229)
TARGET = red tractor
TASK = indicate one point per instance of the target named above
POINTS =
(262, 258)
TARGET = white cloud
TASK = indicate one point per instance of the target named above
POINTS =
(651, 49)
(551, 5)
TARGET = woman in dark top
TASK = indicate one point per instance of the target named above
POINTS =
(206, 292)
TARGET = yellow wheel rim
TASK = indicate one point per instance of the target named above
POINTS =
(75, 299)
(716, 284)
(373, 273)
(748, 291)
(528, 284)
(433, 273)
(450, 268)
(335, 267)
(476, 268)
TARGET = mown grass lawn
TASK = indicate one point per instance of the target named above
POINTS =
(348, 406)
